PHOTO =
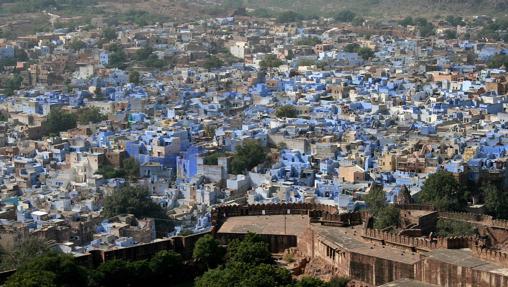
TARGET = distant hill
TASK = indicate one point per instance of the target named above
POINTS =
(387, 8)
(29, 16)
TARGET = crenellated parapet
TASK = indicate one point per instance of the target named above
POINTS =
(220, 213)
(335, 219)
(419, 243)
(475, 219)
(491, 255)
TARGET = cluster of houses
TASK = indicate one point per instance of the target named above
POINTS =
(414, 106)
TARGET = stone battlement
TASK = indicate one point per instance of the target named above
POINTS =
(491, 255)
(334, 219)
(415, 206)
(475, 219)
(419, 244)
(219, 214)
(461, 216)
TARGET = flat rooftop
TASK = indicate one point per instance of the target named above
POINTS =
(420, 213)
(350, 239)
(456, 257)
(266, 224)
(465, 258)
(407, 283)
(347, 238)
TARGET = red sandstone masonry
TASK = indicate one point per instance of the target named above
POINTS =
(491, 255)
(462, 216)
(222, 212)
(422, 244)
(475, 218)
(415, 206)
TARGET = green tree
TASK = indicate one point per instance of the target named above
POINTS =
(59, 120)
(352, 48)
(117, 59)
(213, 62)
(263, 275)
(287, 111)
(270, 61)
(366, 53)
(208, 251)
(143, 54)
(262, 13)
(140, 18)
(308, 41)
(446, 228)
(32, 278)
(134, 77)
(498, 61)
(311, 282)
(7, 34)
(24, 251)
(166, 266)
(219, 277)
(153, 61)
(426, 28)
(132, 200)
(115, 273)
(496, 201)
(62, 271)
(408, 21)
(450, 34)
(338, 282)
(54, 269)
(108, 171)
(244, 274)
(376, 199)
(384, 214)
(442, 190)
(345, 16)
(358, 21)
(306, 62)
(12, 84)
(77, 44)
(20, 55)
(455, 21)
(247, 156)
(131, 168)
(109, 34)
(141, 273)
(251, 250)
(210, 131)
(289, 16)
(136, 200)
(90, 115)
(119, 272)
(386, 217)
(213, 158)
(249, 263)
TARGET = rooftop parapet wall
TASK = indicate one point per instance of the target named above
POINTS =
(462, 216)
(475, 219)
(415, 206)
(491, 255)
(334, 219)
(219, 214)
(276, 242)
(181, 244)
(420, 244)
